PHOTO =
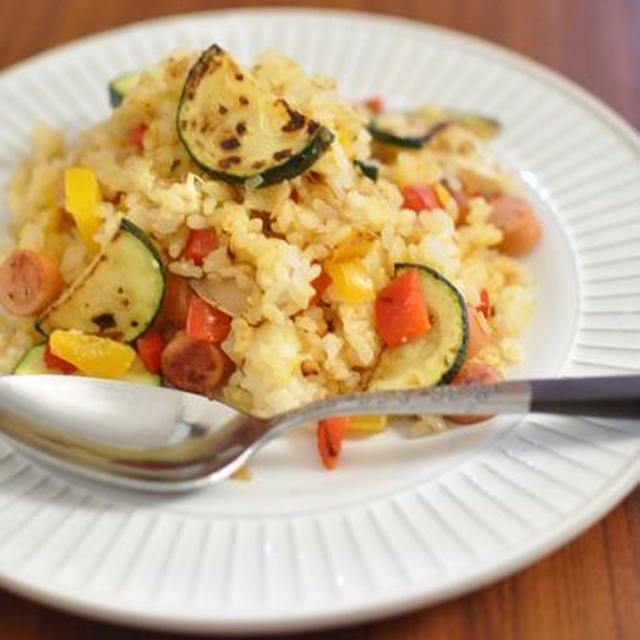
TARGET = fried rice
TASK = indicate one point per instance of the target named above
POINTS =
(285, 351)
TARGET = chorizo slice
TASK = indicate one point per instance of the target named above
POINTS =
(29, 282)
(518, 222)
(479, 332)
(194, 365)
(475, 373)
(176, 301)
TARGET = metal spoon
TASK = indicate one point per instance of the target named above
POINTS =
(162, 439)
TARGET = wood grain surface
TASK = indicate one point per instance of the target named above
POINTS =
(590, 589)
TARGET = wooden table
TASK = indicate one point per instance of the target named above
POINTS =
(590, 589)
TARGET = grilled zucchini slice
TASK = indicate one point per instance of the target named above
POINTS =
(435, 357)
(483, 126)
(120, 86)
(413, 130)
(32, 363)
(118, 294)
(368, 168)
(407, 130)
(239, 132)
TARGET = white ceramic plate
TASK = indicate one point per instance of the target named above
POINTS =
(402, 523)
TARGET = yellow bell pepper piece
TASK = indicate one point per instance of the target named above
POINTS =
(367, 424)
(355, 247)
(446, 200)
(92, 355)
(442, 193)
(350, 281)
(81, 199)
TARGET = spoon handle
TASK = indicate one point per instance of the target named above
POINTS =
(610, 397)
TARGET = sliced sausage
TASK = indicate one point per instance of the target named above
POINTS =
(194, 365)
(462, 200)
(29, 282)
(518, 222)
(176, 301)
(475, 373)
(479, 332)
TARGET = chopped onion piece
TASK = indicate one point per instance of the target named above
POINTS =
(224, 294)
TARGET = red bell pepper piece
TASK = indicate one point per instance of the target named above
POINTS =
(330, 433)
(136, 134)
(401, 312)
(150, 347)
(57, 364)
(200, 243)
(485, 304)
(374, 103)
(419, 197)
(205, 322)
(320, 284)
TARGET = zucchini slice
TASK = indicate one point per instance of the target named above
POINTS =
(32, 363)
(120, 86)
(483, 126)
(118, 294)
(241, 133)
(407, 130)
(435, 357)
(368, 168)
(413, 130)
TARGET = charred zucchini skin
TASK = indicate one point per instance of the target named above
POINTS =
(293, 167)
(428, 272)
(129, 227)
(124, 334)
(483, 126)
(145, 241)
(369, 169)
(319, 141)
(300, 162)
(120, 86)
(385, 136)
(143, 238)
(32, 360)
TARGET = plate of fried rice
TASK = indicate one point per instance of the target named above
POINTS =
(273, 207)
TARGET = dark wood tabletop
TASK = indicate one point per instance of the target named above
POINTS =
(589, 589)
